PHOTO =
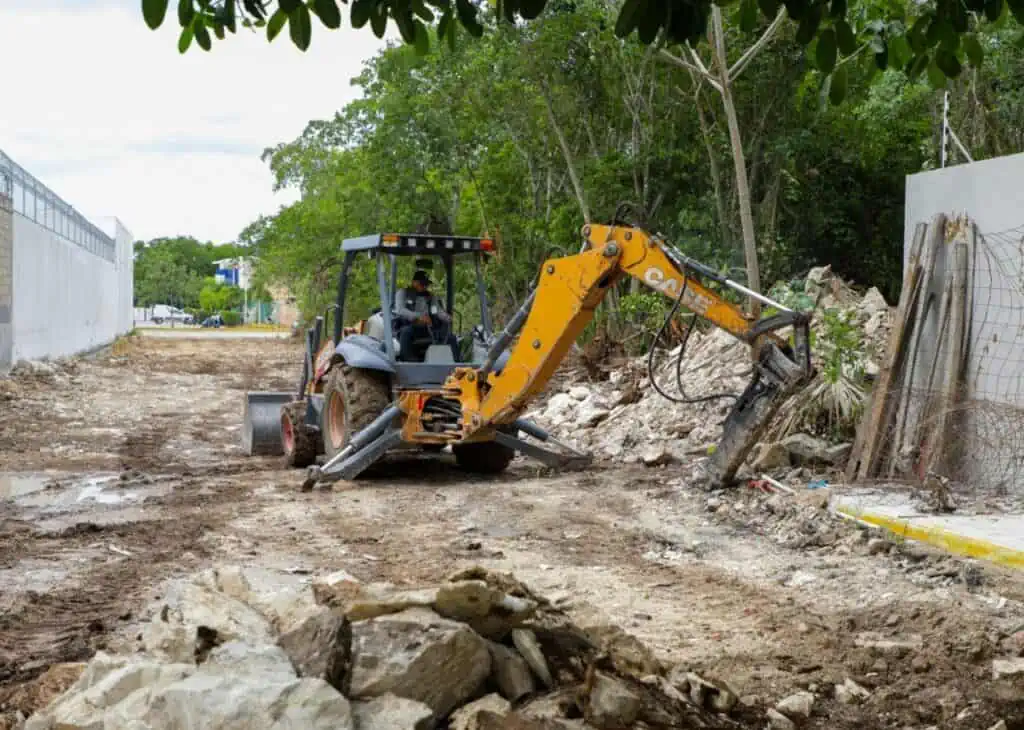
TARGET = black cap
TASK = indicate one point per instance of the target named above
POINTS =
(421, 276)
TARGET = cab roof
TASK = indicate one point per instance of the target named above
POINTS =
(420, 244)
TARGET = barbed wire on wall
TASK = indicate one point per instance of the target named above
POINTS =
(982, 417)
(31, 199)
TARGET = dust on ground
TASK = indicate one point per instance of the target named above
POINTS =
(125, 470)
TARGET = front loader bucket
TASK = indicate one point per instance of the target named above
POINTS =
(261, 429)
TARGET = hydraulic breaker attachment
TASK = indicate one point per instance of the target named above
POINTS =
(776, 378)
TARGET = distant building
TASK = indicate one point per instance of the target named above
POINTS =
(234, 272)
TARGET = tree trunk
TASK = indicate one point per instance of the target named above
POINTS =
(570, 164)
(716, 175)
(739, 162)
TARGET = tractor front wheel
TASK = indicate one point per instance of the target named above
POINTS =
(297, 438)
(353, 398)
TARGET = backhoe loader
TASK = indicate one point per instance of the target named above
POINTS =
(359, 400)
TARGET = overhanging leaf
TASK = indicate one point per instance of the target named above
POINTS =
(972, 47)
(422, 39)
(300, 27)
(837, 90)
(770, 8)
(361, 10)
(154, 12)
(993, 9)
(809, 25)
(379, 20)
(1017, 8)
(276, 23)
(948, 63)
(202, 35)
(626, 21)
(185, 39)
(748, 13)
(467, 16)
(935, 75)
(530, 9)
(289, 6)
(825, 54)
(185, 13)
(838, 8)
(845, 40)
(328, 12)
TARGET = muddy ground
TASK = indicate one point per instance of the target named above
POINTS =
(122, 471)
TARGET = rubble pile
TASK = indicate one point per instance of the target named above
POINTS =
(626, 419)
(479, 651)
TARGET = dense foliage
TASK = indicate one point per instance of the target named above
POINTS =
(528, 131)
(936, 36)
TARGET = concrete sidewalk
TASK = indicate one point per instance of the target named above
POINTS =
(209, 333)
(998, 538)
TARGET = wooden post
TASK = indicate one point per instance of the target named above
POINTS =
(864, 455)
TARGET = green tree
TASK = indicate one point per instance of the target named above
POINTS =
(935, 36)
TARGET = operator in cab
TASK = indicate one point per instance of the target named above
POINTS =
(422, 316)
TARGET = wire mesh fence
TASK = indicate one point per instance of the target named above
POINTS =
(956, 409)
(33, 200)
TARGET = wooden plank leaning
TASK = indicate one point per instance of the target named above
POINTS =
(866, 443)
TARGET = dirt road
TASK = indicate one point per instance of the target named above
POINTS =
(121, 472)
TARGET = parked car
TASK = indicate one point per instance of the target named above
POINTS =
(214, 320)
(166, 313)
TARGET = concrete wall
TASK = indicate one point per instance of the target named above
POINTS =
(990, 193)
(67, 299)
(6, 273)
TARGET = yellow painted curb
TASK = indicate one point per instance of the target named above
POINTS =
(949, 541)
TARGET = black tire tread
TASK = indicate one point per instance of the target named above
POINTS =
(305, 450)
(365, 394)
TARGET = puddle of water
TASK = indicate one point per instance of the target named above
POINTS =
(40, 491)
(13, 486)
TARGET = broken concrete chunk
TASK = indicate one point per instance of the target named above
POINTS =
(489, 611)
(611, 704)
(629, 656)
(896, 645)
(771, 456)
(336, 589)
(805, 449)
(389, 712)
(418, 655)
(797, 707)
(237, 656)
(526, 642)
(1013, 667)
(381, 599)
(95, 696)
(510, 671)
(321, 647)
(656, 456)
(778, 721)
(850, 693)
(468, 716)
(579, 393)
(712, 694)
(555, 705)
(194, 617)
(225, 701)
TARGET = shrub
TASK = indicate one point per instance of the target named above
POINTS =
(230, 318)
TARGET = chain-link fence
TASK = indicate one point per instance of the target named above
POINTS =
(33, 200)
(968, 426)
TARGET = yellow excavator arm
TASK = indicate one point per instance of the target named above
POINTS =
(562, 304)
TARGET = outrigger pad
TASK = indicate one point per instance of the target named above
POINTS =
(261, 428)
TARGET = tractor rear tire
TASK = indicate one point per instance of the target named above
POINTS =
(353, 398)
(297, 438)
(483, 457)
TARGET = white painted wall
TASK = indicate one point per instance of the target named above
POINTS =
(991, 193)
(67, 300)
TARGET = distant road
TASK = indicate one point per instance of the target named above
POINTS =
(209, 333)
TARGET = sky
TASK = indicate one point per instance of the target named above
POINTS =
(108, 115)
